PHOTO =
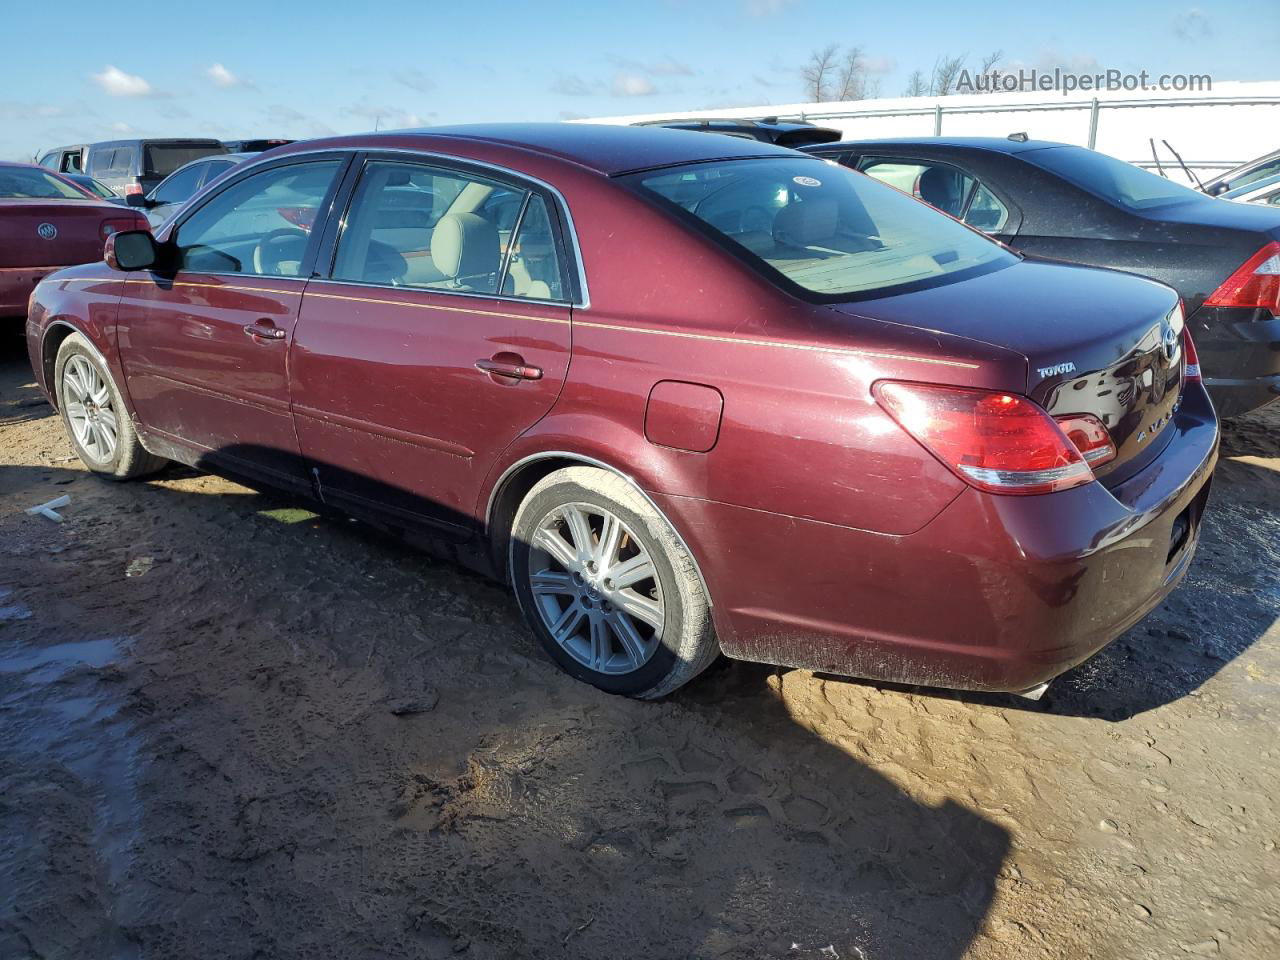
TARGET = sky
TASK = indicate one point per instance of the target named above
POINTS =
(295, 69)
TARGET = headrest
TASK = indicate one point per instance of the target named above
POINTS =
(940, 187)
(806, 223)
(465, 245)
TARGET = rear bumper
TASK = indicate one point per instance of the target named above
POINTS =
(996, 593)
(1240, 356)
(16, 284)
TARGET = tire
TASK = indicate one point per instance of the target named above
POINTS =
(83, 384)
(563, 588)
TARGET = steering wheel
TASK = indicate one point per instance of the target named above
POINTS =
(285, 243)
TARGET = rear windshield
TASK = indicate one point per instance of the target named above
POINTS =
(1121, 183)
(35, 184)
(823, 230)
(164, 158)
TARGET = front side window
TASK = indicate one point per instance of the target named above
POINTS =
(937, 184)
(30, 183)
(411, 225)
(260, 225)
(829, 232)
(1123, 184)
(180, 186)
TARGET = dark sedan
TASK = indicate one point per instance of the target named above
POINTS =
(1062, 202)
(686, 394)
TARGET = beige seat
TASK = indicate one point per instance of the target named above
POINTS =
(466, 250)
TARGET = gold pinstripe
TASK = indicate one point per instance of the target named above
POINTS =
(591, 324)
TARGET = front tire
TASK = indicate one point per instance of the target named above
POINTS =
(95, 416)
(607, 586)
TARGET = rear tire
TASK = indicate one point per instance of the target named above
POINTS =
(95, 416)
(607, 586)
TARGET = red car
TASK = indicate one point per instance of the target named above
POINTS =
(687, 394)
(47, 222)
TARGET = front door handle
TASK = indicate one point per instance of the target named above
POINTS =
(264, 329)
(509, 365)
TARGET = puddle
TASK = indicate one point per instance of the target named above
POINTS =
(59, 710)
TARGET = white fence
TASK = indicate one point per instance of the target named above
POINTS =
(1212, 132)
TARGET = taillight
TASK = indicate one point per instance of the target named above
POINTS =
(132, 188)
(998, 442)
(1256, 284)
(109, 227)
(1090, 436)
(1191, 372)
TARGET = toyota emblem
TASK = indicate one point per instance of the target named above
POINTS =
(1170, 342)
(47, 231)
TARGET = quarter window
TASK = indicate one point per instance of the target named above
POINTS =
(416, 226)
(260, 225)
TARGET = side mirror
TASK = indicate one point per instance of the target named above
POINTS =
(131, 250)
(136, 200)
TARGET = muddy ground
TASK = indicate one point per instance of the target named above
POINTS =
(231, 729)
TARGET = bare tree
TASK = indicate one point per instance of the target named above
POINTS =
(817, 74)
(853, 75)
(916, 87)
(990, 60)
(946, 70)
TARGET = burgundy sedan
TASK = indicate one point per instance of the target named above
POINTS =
(689, 395)
(47, 222)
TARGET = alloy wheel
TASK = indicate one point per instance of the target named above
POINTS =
(90, 410)
(596, 588)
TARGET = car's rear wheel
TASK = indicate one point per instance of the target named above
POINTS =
(608, 587)
(95, 415)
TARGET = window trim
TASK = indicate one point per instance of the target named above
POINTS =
(323, 213)
(562, 218)
(568, 251)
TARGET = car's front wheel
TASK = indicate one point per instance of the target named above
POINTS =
(95, 416)
(608, 587)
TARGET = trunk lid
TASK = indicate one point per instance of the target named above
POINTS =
(75, 225)
(1096, 342)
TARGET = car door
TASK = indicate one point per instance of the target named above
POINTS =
(440, 335)
(952, 190)
(205, 343)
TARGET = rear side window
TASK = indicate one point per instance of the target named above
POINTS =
(943, 186)
(416, 226)
(164, 158)
(829, 233)
(260, 225)
(1123, 184)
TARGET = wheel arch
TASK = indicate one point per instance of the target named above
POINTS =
(521, 476)
(55, 334)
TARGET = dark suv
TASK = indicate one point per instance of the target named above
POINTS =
(785, 133)
(130, 166)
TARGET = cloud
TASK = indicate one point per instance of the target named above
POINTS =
(387, 118)
(666, 67)
(414, 80)
(121, 127)
(632, 85)
(18, 110)
(766, 8)
(1192, 25)
(222, 77)
(289, 121)
(572, 85)
(116, 83)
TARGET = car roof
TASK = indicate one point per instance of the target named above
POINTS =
(992, 144)
(605, 148)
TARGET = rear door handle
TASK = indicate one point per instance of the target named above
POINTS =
(515, 369)
(264, 329)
